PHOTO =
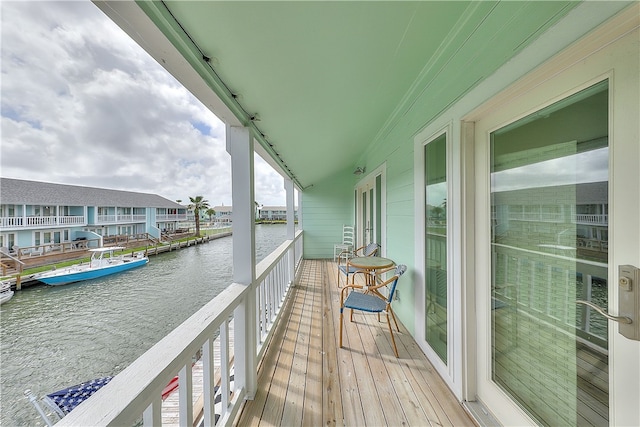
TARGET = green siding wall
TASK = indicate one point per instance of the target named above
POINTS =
(325, 208)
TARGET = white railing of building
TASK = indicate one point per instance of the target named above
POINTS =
(135, 394)
(171, 217)
(131, 218)
(41, 221)
(595, 219)
(592, 219)
(106, 218)
(545, 286)
(11, 221)
(72, 220)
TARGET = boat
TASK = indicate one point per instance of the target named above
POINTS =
(103, 263)
(5, 292)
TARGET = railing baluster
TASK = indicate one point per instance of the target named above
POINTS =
(259, 312)
(208, 382)
(224, 366)
(152, 416)
(273, 287)
(185, 390)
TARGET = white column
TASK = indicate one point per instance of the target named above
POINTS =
(240, 147)
(290, 196)
(300, 219)
(291, 231)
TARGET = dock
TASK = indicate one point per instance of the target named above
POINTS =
(155, 249)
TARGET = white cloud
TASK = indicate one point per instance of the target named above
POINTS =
(83, 104)
(585, 167)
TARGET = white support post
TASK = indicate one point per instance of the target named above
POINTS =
(291, 226)
(240, 147)
(300, 219)
(290, 198)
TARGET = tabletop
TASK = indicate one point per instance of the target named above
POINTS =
(371, 262)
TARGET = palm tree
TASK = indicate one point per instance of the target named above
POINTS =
(210, 213)
(198, 204)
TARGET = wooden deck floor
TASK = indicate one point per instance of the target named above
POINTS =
(306, 379)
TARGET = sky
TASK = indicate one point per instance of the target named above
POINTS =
(580, 168)
(83, 104)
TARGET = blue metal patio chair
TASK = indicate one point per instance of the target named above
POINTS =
(369, 250)
(372, 301)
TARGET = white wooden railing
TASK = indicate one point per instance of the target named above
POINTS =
(134, 395)
(106, 218)
(41, 221)
(592, 219)
(121, 218)
(131, 218)
(545, 285)
(171, 217)
(595, 219)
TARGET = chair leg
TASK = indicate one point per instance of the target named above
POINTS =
(394, 318)
(340, 327)
(393, 340)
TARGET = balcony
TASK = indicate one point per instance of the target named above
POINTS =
(104, 219)
(19, 222)
(171, 217)
(595, 219)
(305, 378)
(131, 218)
(284, 358)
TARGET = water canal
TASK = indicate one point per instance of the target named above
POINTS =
(54, 337)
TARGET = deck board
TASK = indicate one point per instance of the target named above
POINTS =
(306, 379)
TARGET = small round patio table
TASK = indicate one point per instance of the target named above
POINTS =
(369, 264)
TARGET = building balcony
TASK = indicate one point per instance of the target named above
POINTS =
(131, 218)
(594, 219)
(583, 219)
(172, 217)
(112, 219)
(280, 362)
(20, 222)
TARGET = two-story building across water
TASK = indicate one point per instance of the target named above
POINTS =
(40, 216)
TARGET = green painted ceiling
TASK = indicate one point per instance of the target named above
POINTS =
(328, 79)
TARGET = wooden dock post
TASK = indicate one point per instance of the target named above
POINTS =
(18, 282)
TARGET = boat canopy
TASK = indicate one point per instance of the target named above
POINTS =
(108, 249)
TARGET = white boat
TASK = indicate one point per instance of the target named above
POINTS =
(5, 292)
(103, 262)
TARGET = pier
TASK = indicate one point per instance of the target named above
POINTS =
(157, 248)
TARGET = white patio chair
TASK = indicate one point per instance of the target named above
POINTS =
(348, 238)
